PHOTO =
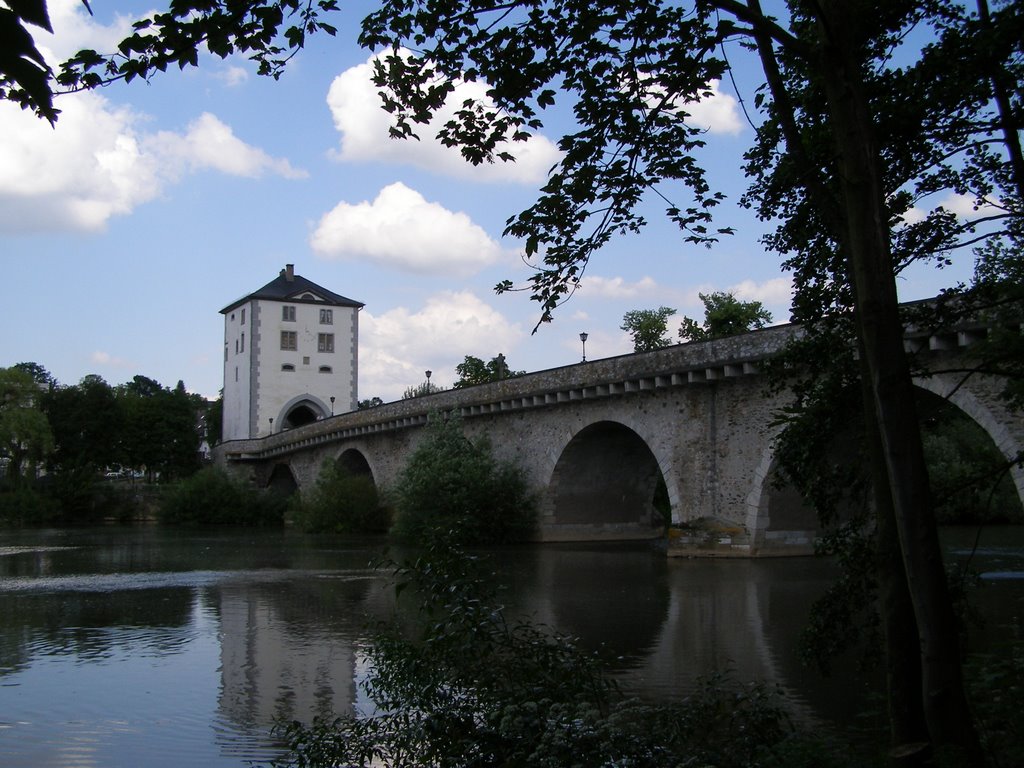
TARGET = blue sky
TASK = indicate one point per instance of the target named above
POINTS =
(124, 230)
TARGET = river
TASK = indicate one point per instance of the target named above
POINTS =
(150, 646)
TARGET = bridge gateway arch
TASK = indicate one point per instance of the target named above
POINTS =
(614, 446)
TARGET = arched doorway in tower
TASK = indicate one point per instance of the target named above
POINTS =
(607, 478)
(300, 414)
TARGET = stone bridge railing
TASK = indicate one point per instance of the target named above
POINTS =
(675, 366)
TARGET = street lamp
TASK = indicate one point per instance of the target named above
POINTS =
(583, 338)
(271, 425)
(332, 405)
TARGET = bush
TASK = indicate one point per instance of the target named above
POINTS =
(25, 506)
(453, 484)
(210, 497)
(340, 502)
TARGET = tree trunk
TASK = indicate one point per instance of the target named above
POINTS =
(889, 387)
(908, 730)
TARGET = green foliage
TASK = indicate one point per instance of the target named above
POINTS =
(451, 483)
(210, 497)
(996, 681)
(724, 315)
(969, 477)
(419, 390)
(162, 427)
(25, 506)
(372, 402)
(24, 73)
(25, 434)
(467, 686)
(648, 328)
(87, 425)
(340, 502)
(213, 420)
(473, 370)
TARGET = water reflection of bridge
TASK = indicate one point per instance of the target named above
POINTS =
(291, 649)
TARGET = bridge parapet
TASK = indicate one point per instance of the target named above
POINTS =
(694, 363)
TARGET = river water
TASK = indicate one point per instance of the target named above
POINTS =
(149, 646)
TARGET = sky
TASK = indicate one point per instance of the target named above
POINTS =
(151, 206)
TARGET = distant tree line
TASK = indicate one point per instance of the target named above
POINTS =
(57, 440)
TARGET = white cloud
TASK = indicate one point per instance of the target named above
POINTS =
(98, 162)
(593, 286)
(401, 229)
(75, 29)
(74, 176)
(397, 347)
(775, 292)
(210, 144)
(108, 360)
(964, 206)
(232, 75)
(355, 104)
(716, 111)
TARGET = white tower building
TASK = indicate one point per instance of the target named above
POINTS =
(291, 354)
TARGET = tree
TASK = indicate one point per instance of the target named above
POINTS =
(453, 486)
(648, 328)
(162, 429)
(87, 421)
(39, 374)
(25, 435)
(724, 315)
(419, 390)
(859, 122)
(372, 402)
(472, 370)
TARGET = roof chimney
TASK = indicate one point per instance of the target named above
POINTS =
(289, 272)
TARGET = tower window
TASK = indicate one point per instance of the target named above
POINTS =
(325, 342)
(288, 313)
(287, 367)
(289, 340)
(325, 369)
(326, 317)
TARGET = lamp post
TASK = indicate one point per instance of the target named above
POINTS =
(583, 338)
(271, 425)
(332, 405)
(427, 387)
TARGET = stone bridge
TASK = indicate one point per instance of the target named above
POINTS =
(595, 438)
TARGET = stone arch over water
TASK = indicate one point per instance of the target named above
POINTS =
(780, 512)
(354, 462)
(979, 398)
(282, 480)
(605, 476)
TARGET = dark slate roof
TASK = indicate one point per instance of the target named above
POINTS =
(283, 289)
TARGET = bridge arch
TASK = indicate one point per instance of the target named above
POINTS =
(354, 461)
(282, 481)
(781, 513)
(605, 478)
(970, 398)
(301, 410)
